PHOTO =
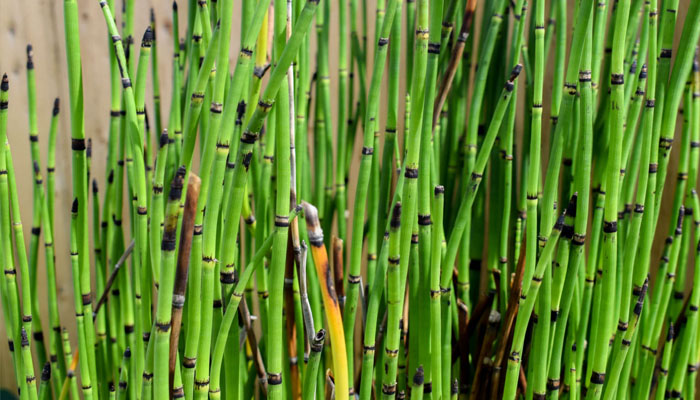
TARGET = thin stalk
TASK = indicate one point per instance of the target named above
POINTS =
(309, 384)
(506, 152)
(390, 137)
(28, 368)
(435, 292)
(59, 366)
(640, 234)
(154, 76)
(422, 299)
(80, 191)
(37, 334)
(167, 274)
(394, 294)
(10, 297)
(603, 319)
(661, 391)
(80, 316)
(342, 126)
(352, 278)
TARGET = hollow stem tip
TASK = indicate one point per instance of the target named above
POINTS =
(419, 376)
(147, 40)
(515, 72)
(315, 232)
(46, 372)
(318, 340)
(30, 56)
(640, 301)
(163, 140)
(560, 221)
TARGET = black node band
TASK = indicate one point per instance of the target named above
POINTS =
(163, 326)
(227, 278)
(168, 245)
(248, 137)
(433, 48)
(597, 378)
(411, 173)
(610, 226)
(78, 144)
(553, 384)
(617, 79)
(424, 219)
(274, 379)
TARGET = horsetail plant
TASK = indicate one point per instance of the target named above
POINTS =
(475, 285)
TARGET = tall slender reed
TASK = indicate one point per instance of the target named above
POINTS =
(352, 277)
(609, 254)
(37, 334)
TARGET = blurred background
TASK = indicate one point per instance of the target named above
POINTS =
(40, 22)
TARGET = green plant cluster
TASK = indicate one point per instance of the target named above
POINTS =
(469, 269)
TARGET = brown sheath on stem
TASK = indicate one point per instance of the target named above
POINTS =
(507, 326)
(183, 258)
(329, 393)
(338, 266)
(468, 324)
(456, 57)
(522, 383)
(480, 311)
(481, 378)
(112, 277)
(253, 343)
(463, 319)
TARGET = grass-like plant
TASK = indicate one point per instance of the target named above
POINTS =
(473, 266)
